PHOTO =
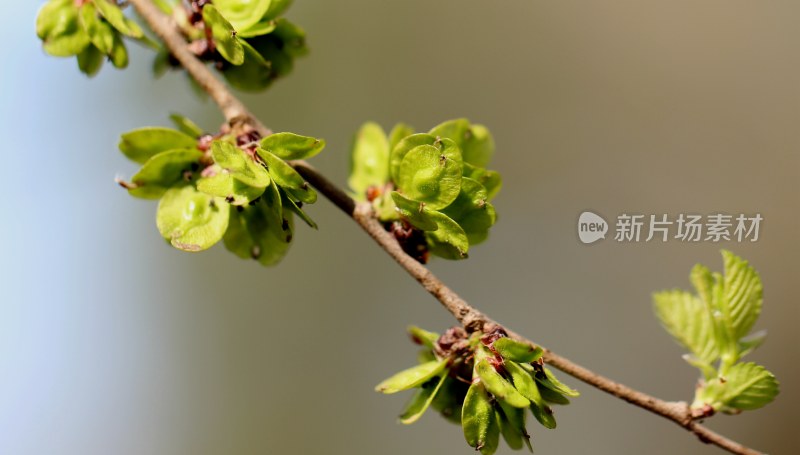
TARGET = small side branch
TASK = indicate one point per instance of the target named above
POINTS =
(473, 320)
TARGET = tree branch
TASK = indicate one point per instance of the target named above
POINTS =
(362, 213)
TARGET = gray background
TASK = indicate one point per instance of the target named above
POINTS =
(113, 343)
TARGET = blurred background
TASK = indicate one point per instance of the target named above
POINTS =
(111, 342)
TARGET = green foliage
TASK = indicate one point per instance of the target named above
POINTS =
(290, 146)
(512, 349)
(91, 30)
(432, 182)
(243, 14)
(412, 377)
(142, 144)
(191, 220)
(744, 387)
(248, 40)
(223, 35)
(484, 382)
(249, 43)
(713, 325)
(221, 187)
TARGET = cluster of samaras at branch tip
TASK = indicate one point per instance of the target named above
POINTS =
(91, 30)
(714, 324)
(485, 382)
(235, 187)
(247, 41)
(432, 190)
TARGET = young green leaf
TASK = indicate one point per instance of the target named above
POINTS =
(242, 14)
(524, 383)
(746, 386)
(414, 212)
(412, 377)
(54, 16)
(264, 27)
(449, 240)
(479, 421)
(399, 151)
(90, 60)
(473, 196)
(510, 434)
(553, 397)
(224, 35)
(423, 337)
(498, 386)
(253, 75)
(489, 179)
(455, 130)
(550, 381)
(191, 220)
(119, 54)
(450, 399)
(290, 146)
(512, 426)
(101, 34)
(703, 281)
(162, 172)
(429, 176)
(742, 295)
(472, 211)
(369, 160)
(186, 126)
(478, 146)
(544, 414)
(293, 207)
(422, 400)
(239, 164)
(114, 15)
(142, 144)
(287, 178)
(688, 320)
(64, 35)
(260, 231)
(517, 351)
(398, 133)
(223, 184)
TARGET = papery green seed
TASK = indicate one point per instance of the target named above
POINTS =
(516, 350)
(498, 386)
(478, 420)
(422, 400)
(412, 377)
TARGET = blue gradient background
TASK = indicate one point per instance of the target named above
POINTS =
(113, 343)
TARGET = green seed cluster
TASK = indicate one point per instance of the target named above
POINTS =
(248, 41)
(484, 382)
(432, 190)
(91, 30)
(237, 188)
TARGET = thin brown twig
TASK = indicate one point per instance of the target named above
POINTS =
(362, 213)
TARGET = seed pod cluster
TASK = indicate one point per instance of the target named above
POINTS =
(485, 382)
(91, 30)
(432, 190)
(231, 186)
(249, 42)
